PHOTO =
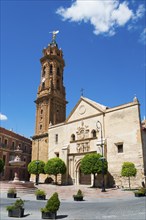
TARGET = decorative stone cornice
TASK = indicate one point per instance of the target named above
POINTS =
(35, 137)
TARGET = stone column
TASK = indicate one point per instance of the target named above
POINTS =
(64, 157)
(77, 177)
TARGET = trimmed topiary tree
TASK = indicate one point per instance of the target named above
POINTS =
(36, 167)
(92, 164)
(16, 209)
(2, 164)
(54, 167)
(53, 204)
(51, 208)
(128, 170)
(79, 196)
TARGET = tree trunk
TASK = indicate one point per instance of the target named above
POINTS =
(129, 182)
(94, 180)
(56, 179)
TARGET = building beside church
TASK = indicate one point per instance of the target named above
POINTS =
(115, 132)
(9, 141)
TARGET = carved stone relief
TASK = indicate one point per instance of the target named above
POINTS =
(82, 132)
(83, 147)
(82, 136)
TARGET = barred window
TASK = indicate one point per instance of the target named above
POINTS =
(56, 138)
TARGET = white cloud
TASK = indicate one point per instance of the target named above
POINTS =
(140, 12)
(122, 14)
(105, 16)
(143, 37)
(3, 117)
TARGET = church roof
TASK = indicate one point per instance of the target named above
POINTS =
(95, 104)
(84, 108)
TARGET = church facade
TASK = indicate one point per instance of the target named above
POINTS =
(116, 133)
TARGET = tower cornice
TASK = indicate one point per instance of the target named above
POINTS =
(35, 137)
(52, 58)
(49, 96)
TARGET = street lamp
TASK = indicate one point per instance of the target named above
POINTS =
(37, 175)
(99, 126)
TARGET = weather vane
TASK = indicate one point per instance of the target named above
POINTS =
(54, 35)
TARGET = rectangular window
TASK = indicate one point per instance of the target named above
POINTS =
(25, 148)
(4, 158)
(13, 145)
(12, 157)
(120, 148)
(6, 142)
(56, 138)
(57, 154)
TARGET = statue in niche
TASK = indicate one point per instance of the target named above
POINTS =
(78, 148)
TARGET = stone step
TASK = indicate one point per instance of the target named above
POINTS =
(20, 186)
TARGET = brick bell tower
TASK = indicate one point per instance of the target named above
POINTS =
(51, 98)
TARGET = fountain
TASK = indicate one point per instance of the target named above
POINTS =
(17, 163)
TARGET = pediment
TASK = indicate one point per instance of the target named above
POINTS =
(85, 108)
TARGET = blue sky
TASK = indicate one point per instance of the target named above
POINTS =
(104, 50)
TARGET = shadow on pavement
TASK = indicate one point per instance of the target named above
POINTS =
(26, 215)
(61, 216)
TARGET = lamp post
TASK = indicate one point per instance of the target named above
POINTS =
(37, 175)
(99, 126)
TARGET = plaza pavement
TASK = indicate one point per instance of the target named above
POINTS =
(114, 204)
(67, 192)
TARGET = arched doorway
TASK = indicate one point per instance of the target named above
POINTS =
(84, 179)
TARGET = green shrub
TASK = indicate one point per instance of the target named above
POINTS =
(18, 204)
(53, 204)
(12, 190)
(94, 163)
(40, 192)
(141, 191)
(128, 170)
(55, 166)
(36, 167)
(79, 194)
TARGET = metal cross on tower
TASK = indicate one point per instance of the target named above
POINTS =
(82, 91)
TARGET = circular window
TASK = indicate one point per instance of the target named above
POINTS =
(82, 110)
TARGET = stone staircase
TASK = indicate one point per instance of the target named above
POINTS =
(20, 186)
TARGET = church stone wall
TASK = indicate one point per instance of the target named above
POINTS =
(120, 126)
(123, 127)
(71, 152)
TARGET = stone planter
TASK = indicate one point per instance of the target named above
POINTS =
(11, 195)
(139, 194)
(41, 197)
(16, 212)
(49, 215)
(78, 198)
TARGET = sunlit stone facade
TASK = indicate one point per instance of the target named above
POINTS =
(121, 132)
